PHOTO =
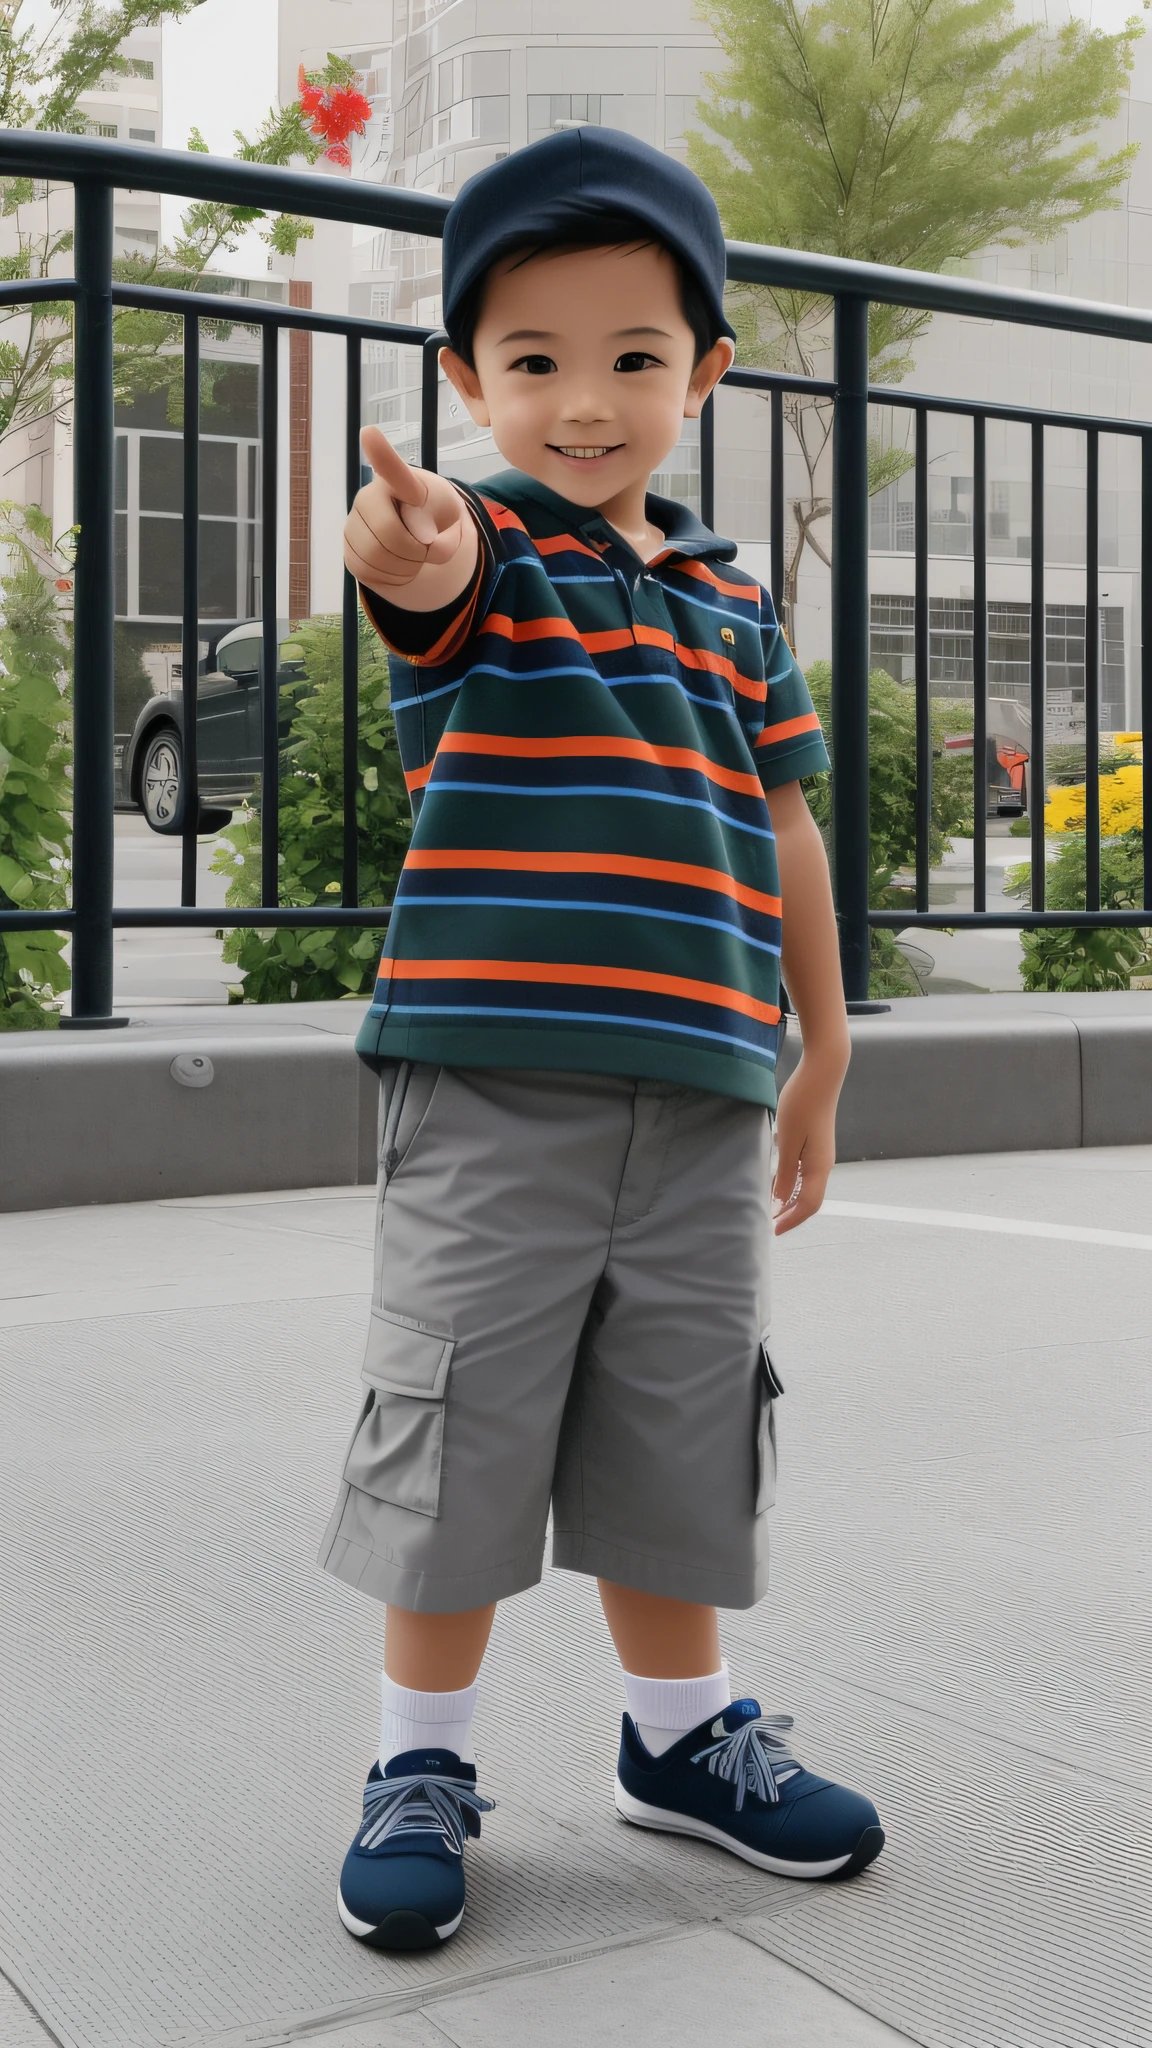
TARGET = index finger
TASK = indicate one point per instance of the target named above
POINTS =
(402, 481)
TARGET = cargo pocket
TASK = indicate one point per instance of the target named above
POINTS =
(397, 1450)
(770, 1387)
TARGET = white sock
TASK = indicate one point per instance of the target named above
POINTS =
(664, 1709)
(425, 1720)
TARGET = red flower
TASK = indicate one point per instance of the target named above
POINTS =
(63, 583)
(335, 113)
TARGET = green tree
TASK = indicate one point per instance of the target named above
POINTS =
(311, 964)
(907, 132)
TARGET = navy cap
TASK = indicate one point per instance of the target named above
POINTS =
(569, 180)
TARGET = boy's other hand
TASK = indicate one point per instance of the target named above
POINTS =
(805, 1144)
(404, 521)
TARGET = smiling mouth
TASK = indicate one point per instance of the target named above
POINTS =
(584, 454)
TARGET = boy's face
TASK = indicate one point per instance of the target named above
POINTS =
(584, 368)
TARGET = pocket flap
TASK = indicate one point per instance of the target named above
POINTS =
(405, 1357)
(768, 1373)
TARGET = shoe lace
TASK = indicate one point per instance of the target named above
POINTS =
(751, 1758)
(400, 1806)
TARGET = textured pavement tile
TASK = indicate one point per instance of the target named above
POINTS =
(956, 1621)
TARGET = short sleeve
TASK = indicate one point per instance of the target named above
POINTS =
(791, 744)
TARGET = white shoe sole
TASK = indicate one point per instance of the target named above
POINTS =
(362, 1928)
(658, 1817)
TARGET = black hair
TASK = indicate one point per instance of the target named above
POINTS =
(606, 231)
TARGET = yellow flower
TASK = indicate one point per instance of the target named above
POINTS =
(1121, 803)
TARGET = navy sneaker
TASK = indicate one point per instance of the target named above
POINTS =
(734, 1781)
(402, 1885)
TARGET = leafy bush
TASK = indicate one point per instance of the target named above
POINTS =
(1072, 958)
(892, 809)
(35, 755)
(312, 964)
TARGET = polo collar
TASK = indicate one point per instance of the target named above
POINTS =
(683, 533)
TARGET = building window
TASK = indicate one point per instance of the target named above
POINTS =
(139, 67)
(490, 119)
(950, 628)
(141, 135)
(547, 110)
(106, 128)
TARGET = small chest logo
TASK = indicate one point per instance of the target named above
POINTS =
(727, 634)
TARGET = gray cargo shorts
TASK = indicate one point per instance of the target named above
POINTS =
(570, 1307)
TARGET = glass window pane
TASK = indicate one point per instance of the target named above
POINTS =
(161, 567)
(121, 498)
(217, 569)
(161, 474)
(218, 477)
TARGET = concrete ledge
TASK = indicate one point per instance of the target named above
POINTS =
(119, 1117)
(107, 1118)
(925, 1088)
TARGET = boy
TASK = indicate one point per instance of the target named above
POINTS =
(602, 730)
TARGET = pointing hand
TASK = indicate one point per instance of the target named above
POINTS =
(402, 520)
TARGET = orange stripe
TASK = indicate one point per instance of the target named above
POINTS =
(719, 664)
(580, 976)
(415, 778)
(563, 544)
(682, 873)
(596, 746)
(608, 643)
(500, 515)
(527, 629)
(654, 636)
(788, 728)
(750, 593)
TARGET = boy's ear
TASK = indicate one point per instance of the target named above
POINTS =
(707, 375)
(464, 380)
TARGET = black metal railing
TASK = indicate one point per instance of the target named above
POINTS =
(96, 168)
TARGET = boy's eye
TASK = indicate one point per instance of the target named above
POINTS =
(536, 366)
(635, 359)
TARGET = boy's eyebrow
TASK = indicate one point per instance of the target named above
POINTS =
(546, 334)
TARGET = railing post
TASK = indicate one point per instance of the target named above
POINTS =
(850, 824)
(270, 635)
(708, 461)
(190, 630)
(350, 640)
(93, 789)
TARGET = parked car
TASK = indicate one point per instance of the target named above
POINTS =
(228, 733)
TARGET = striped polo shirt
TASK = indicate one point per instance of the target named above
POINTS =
(586, 739)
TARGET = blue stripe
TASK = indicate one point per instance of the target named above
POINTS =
(653, 796)
(573, 1017)
(716, 924)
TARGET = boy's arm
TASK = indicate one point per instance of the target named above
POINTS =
(806, 1118)
(410, 536)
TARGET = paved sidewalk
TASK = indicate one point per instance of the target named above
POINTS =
(956, 1622)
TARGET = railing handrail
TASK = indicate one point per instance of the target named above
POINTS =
(96, 167)
(192, 175)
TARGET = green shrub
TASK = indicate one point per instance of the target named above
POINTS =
(35, 754)
(315, 963)
(1074, 958)
(892, 808)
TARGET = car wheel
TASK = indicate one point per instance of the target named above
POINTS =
(160, 779)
